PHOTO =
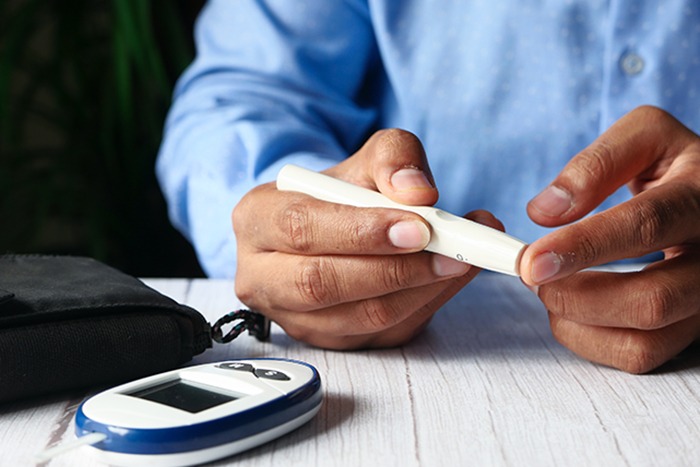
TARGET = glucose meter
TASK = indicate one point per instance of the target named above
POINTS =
(201, 413)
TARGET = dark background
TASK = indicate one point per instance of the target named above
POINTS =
(84, 89)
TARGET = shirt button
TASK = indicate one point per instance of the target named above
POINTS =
(632, 64)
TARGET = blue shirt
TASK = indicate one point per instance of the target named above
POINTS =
(501, 93)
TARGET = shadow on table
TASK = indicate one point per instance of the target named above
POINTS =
(494, 318)
(336, 409)
(494, 329)
(687, 360)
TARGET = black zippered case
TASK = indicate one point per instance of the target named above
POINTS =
(69, 323)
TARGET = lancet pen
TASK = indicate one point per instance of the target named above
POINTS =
(451, 235)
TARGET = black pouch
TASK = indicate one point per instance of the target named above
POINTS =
(70, 323)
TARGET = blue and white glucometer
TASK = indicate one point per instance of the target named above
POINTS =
(201, 413)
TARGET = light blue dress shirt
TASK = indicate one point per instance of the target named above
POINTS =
(501, 93)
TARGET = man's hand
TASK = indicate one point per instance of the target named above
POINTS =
(634, 321)
(342, 277)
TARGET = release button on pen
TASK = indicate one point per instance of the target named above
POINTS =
(446, 216)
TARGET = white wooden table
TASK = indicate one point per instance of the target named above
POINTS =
(486, 384)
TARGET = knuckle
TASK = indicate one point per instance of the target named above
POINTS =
(650, 113)
(558, 327)
(556, 300)
(319, 339)
(360, 233)
(244, 292)
(636, 355)
(595, 161)
(394, 141)
(397, 136)
(298, 333)
(396, 274)
(243, 218)
(588, 249)
(660, 302)
(296, 224)
(237, 217)
(316, 282)
(374, 315)
(654, 219)
(248, 291)
(240, 218)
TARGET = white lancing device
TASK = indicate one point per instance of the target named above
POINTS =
(451, 235)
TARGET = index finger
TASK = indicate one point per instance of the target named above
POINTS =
(663, 217)
(271, 220)
(638, 147)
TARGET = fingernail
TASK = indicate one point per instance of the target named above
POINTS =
(545, 266)
(446, 266)
(411, 235)
(410, 179)
(552, 201)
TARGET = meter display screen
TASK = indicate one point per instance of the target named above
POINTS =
(183, 395)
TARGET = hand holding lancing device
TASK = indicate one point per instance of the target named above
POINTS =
(330, 292)
(342, 277)
(635, 321)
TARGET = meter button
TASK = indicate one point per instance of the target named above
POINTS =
(238, 366)
(271, 374)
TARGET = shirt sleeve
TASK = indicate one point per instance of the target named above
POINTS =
(273, 82)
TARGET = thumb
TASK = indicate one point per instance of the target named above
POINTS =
(397, 166)
(630, 147)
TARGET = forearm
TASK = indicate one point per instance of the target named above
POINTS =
(253, 101)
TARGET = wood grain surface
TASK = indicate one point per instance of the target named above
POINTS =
(486, 384)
